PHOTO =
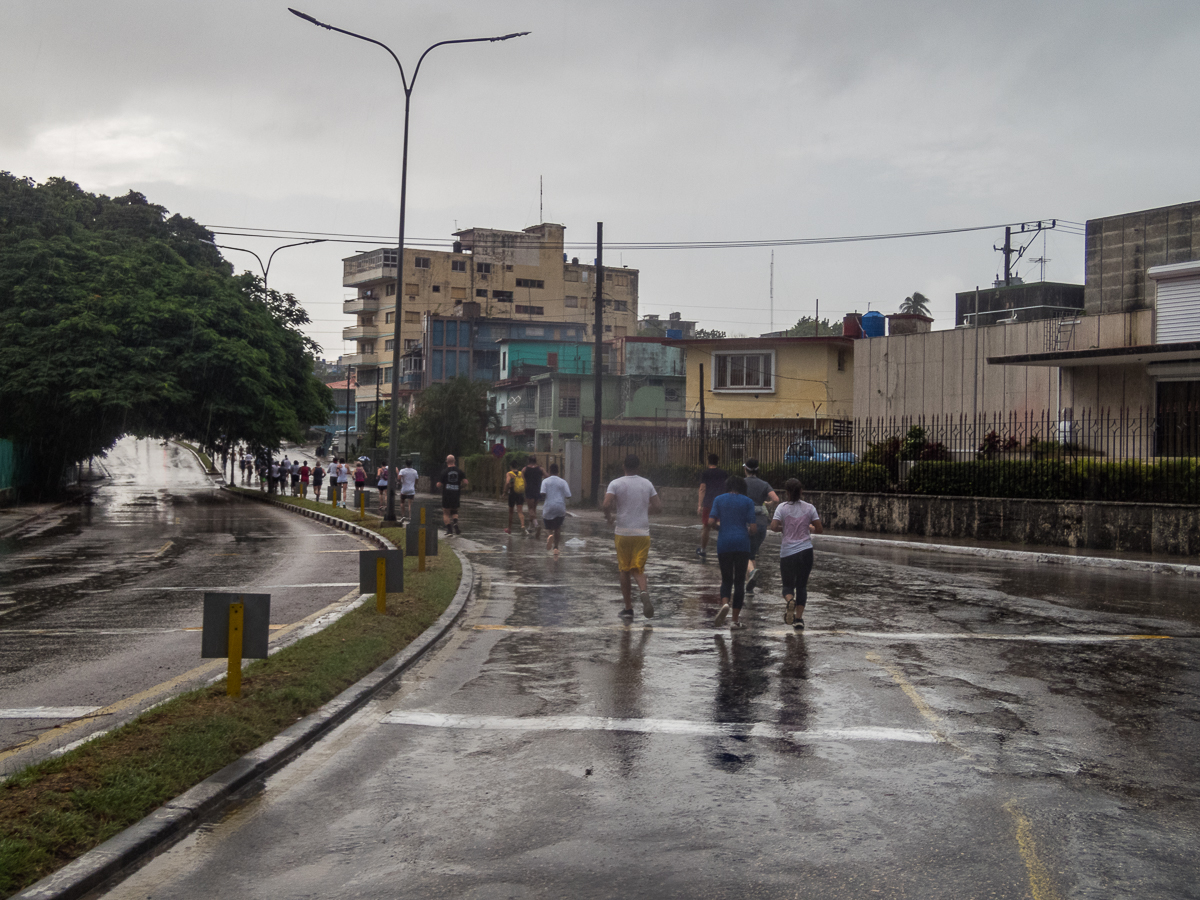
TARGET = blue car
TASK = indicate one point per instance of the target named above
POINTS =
(817, 451)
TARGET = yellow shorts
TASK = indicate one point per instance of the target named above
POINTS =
(632, 551)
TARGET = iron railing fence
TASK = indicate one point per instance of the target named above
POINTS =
(1112, 455)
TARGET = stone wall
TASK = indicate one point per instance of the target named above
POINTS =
(1138, 527)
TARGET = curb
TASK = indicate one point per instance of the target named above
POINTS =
(1028, 556)
(176, 818)
(320, 517)
(211, 473)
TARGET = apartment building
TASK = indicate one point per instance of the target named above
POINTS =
(522, 275)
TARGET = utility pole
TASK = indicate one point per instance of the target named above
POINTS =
(703, 449)
(351, 397)
(817, 324)
(597, 365)
(1008, 256)
(772, 328)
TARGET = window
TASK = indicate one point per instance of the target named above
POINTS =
(571, 275)
(552, 361)
(530, 310)
(389, 318)
(530, 282)
(481, 292)
(621, 305)
(451, 364)
(608, 276)
(389, 346)
(367, 347)
(409, 343)
(743, 372)
(464, 334)
(464, 363)
(622, 281)
(568, 398)
(583, 276)
(412, 317)
(483, 268)
(436, 333)
(451, 334)
(458, 293)
(391, 289)
(608, 328)
(504, 360)
(535, 332)
(387, 375)
(841, 360)
(421, 262)
(503, 296)
(508, 268)
(571, 302)
(458, 265)
(366, 320)
(437, 288)
(411, 289)
(545, 402)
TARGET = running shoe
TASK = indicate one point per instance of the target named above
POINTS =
(647, 606)
(626, 614)
(750, 579)
(508, 531)
(789, 612)
(457, 530)
(700, 554)
(736, 626)
(722, 614)
(799, 625)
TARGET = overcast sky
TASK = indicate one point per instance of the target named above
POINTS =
(668, 121)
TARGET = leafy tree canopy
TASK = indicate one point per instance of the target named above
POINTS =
(709, 333)
(917, 304)
(451, 417)
(117, 319)
(807, 326)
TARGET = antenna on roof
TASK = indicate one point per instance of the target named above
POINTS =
(541, 215)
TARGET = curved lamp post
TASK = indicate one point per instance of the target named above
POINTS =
(397, 343)
(266, 269)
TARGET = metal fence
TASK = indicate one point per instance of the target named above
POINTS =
(1076, 455)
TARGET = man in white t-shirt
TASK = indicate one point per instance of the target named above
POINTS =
(408, 489)
(343, 480)
(629, 501)
(554, 512)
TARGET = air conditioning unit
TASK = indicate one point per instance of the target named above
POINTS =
(672, 395)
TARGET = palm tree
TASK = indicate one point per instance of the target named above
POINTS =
(917, 304)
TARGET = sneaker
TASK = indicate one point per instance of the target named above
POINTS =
(647, 606)
(789, 613)
(736, 626)
(508, 531)
(722, 613)
(626, 614)
(799, 625)
(750, 579)
(700, 554)
(457, 530)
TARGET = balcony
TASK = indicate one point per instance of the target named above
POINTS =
(519, 419)
(358, 332)
(362, 359)
(368, 267)
(361, 305)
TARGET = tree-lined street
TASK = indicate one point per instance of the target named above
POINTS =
(946, 727)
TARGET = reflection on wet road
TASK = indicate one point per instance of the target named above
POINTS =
(944, 729)
(103, 600)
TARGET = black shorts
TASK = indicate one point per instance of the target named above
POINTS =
(404, 496)
(554, 524)
(450, 500)
(515, 499)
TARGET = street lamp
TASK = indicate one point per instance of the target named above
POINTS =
(267, 268)
(397, 342)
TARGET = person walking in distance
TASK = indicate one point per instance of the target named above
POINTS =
(408, 489)
(733, 514)
(798, 521)
(761, 495)
(533, 490)
(451, 481)
(557, 492)
(712, 484)
(629, 501)
(514, 488)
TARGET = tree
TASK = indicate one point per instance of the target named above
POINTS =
(807, 326)
(378, 426)
(451, 417)
(115, 319)
(916, 304)
(709, 334)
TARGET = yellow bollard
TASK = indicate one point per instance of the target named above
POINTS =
(421, 543)
(381, 585)
(234, 680)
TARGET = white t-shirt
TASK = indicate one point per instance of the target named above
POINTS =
(796, 517)
(556, 491)
(408, 481)
(632, 493)
(343, 473)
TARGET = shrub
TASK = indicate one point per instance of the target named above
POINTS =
(1060, 479)
(828, 476)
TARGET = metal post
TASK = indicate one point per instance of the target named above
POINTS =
(233, 682)
(421, 543)
(381, 585)
(703, 456)
(597, 381)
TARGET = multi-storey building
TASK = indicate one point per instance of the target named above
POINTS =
(523, 275)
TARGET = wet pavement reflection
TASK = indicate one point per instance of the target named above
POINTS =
(945, 727)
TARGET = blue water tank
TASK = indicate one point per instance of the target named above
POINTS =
(874, 324)
(674, 334)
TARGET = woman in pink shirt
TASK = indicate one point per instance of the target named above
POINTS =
(799, 522)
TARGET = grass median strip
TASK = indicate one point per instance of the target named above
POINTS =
(56, 810)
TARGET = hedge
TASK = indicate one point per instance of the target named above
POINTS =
(815, 476)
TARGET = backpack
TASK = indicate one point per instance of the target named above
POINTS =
(518, 484)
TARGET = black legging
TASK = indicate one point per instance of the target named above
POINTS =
(733, 574)
(793, 572)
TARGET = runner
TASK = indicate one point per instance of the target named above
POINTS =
(712, 484)
(556, 491)
(343, 482)
(381, 482)
(273, 484)
(798, 521)
(514, 487)
(451, 481)
(533, 488)
(360, 485)
(294, 471)
(242, 464)
(318, 476)
(305, 474)
(630, 500)
(248, 470)
(761, 494)
(408, 489)
(733, 514)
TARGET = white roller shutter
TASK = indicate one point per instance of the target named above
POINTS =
(1177, 303)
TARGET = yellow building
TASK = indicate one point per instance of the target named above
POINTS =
(778, 382)
(509, 274)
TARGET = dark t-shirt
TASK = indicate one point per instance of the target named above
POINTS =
(533, 480)
(757, 490)
(714, 484)
(451, 480)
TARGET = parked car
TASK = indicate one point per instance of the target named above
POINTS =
(817, 451)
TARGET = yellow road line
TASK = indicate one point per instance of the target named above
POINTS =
(938, 727)
(1041, 885)
(162, 690)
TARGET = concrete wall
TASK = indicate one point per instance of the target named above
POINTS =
(1119, 249)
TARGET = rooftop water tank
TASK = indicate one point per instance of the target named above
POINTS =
(874, 324)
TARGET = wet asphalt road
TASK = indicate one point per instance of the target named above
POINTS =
(104, 601)
(946, 728)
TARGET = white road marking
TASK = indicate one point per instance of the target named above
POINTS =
(48, 712)
(653, 726)
(247, 588)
